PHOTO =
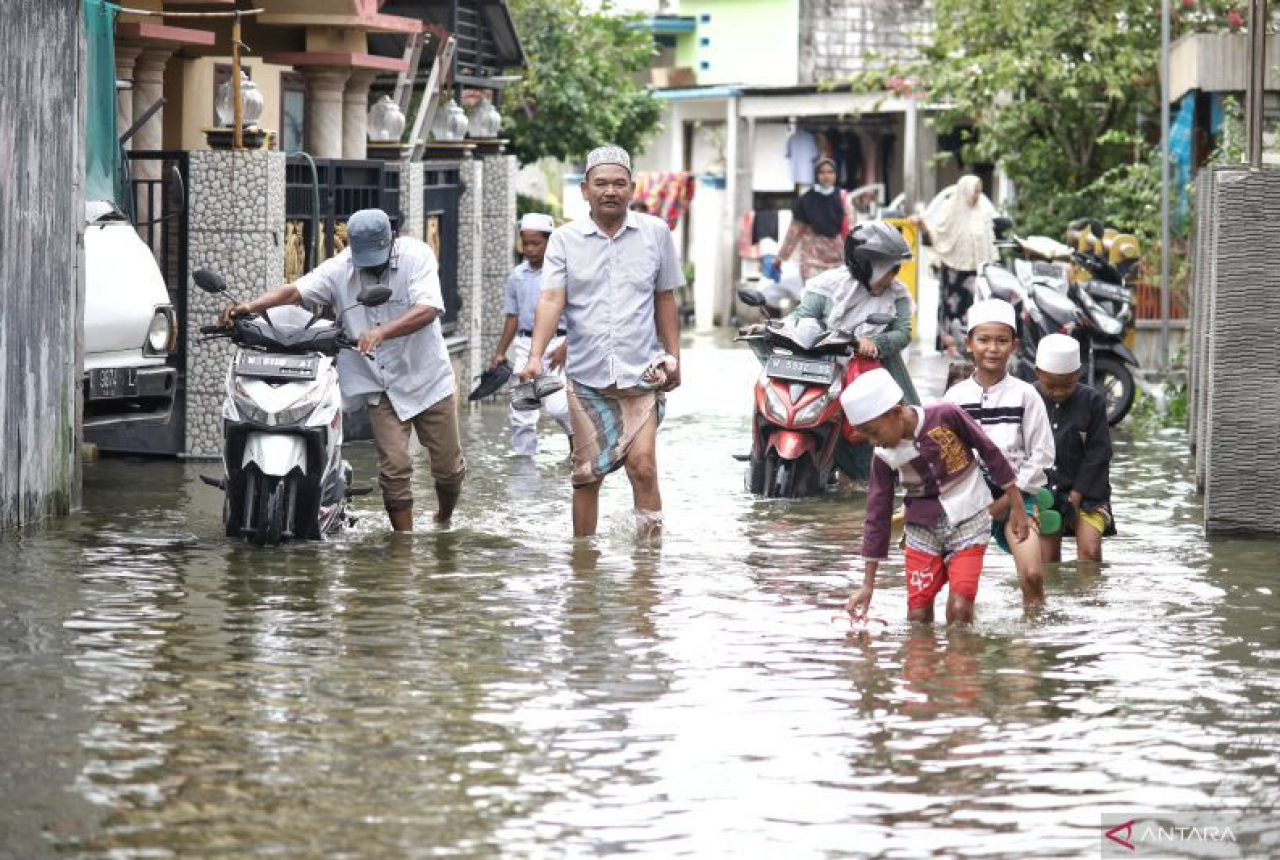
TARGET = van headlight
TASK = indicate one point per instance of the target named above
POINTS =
(162, 334)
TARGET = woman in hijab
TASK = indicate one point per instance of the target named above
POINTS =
(960, 225)
(820, 219)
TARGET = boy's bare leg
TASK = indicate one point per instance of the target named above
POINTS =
(1026, 557)
(921, 614)
(959, 609)
(586, 507)
(1088, 542)
(1051, 547)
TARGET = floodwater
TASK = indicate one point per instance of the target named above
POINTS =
(495, 690)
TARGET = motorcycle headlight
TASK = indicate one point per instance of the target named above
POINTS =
(244, 402)
(162, 334)
(811, 412)
(773, 405)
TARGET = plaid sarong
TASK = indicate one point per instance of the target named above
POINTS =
(605, 422)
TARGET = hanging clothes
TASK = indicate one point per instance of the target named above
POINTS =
(665, 195)
(802, 153)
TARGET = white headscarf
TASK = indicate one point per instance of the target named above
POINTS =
(852, 303)
(961, 229)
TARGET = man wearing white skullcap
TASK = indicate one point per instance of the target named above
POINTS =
(1080, 479)
(612, 274)
(523, 290)
(932, 449)
(1013, 415)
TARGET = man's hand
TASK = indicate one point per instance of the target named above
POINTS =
(1019, 522)
(1075, 499)
(532, 370)
(233, 311)
(371, 340)
(867, 348)
(860, 602)
(673, 378)
(559, 355)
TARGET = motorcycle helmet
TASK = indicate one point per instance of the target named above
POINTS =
(870, 243)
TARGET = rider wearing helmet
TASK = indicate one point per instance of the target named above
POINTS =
(843, 299)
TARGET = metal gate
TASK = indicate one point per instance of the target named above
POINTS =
(442, 192)
(323, 203)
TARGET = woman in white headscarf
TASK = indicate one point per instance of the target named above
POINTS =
(960, 223)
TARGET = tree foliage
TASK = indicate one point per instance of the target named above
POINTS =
(1063, 94)
(582, 87)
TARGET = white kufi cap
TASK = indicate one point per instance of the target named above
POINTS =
(608, 154)
(991, 311)
(538, 223)
(1058, 353)
(869, 396)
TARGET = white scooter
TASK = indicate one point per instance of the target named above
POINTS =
(283, 473)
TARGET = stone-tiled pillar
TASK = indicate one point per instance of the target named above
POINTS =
(470, 260)
(412, 211)
(126, 57)
(499, 214)
(237, 230)
(355, 114)
(325, 87)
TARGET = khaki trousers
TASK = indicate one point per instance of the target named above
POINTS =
(437, 428)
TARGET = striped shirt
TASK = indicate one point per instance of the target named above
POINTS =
(1012, 413)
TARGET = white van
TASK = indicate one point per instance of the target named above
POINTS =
(130, 332)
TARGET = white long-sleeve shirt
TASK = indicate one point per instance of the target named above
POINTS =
(1012, 413)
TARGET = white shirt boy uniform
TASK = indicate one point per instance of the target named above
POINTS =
(522, 291)
(1011, 412)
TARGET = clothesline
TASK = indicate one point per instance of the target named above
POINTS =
(238, 13)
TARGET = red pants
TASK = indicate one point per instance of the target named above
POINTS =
(926, 574)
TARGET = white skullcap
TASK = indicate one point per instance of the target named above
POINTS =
(869, 396)
(608, 154)
(991, 311)
(538, 223)
(1058, 353)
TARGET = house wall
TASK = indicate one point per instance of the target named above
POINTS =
(41, 260)
(751, 42)
(836, 36)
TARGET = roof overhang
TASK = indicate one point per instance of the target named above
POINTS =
(686, 94)
(337, 59)
(667, 25)
(162, 34)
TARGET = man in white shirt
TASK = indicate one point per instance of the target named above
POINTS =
(402, 371)
(612, 276)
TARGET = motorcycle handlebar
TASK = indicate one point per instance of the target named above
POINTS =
(214, 329)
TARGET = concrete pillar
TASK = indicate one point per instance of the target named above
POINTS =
(148, 88)
(355, 114)
(470, 259)
(126, 57)
(325, 87)
(706, 219)
(237, 230)
(498, 217)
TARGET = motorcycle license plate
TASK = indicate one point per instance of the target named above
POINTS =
(809, 370)
(106, 383)
(266, 365)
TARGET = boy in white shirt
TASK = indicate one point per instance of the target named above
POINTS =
(1012, 413)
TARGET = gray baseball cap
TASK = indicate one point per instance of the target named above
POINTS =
(369, 238)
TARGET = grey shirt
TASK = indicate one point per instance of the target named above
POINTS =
(521, 296)
(609, 286)
(413, 371)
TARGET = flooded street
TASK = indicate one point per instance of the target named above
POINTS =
(494, 689)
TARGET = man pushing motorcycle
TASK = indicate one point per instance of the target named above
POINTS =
(844, 299)
(402, 372)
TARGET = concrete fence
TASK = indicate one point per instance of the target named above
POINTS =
(1235, 349)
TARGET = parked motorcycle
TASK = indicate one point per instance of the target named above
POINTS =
(798, 422)
(283, 473)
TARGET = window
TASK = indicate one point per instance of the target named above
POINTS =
(704, 66)
(704, 18)
(293, 111)
(704, 41)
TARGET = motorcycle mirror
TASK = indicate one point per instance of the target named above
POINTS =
(372, 297)
(210, 282)
(754, 298)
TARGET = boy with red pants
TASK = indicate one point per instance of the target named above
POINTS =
(931, 448)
